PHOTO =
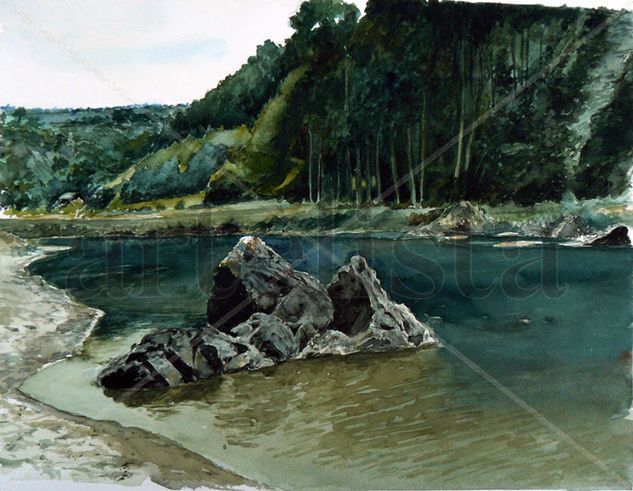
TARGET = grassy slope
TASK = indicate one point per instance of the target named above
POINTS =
(184, 151)
(259, 167)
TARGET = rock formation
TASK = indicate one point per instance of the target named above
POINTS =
(570, 227)
(365, 318)
(619, 236)
(463, 218)
(254, 278)
(262, 312)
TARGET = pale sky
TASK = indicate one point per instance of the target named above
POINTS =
(80, 53)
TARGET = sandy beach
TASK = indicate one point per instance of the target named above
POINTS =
(41, 324)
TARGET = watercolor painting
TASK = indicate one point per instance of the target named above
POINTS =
(320, 244)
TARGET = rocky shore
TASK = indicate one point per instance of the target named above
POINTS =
(464, 219)
(555, 221)
(41, 324)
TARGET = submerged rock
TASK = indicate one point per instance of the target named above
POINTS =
(619, 236)
(262, 312)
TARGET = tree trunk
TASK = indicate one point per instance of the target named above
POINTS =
(412, 192)
(357, 177)
(346, 107)
(378, 178)
(368, 176)
(319, 172)
(310, 147)
(469, 147)
(394, 165)
(423, 143)
(527, 54)
(338, 184)
(474, 111)
(462, 121)
(522, 56)
(491, 76)
(348, 170)
(514, 61)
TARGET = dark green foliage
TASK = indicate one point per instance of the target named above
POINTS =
(100, 198)
(239, 98)
(71, 152)
(227, 190)
(608, 155)
(416, 102)
(480, 96)
(18, 114)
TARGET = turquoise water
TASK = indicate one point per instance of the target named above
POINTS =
(529, 389)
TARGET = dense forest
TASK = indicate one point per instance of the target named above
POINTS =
(418, 102)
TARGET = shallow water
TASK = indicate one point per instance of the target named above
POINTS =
(528, 391)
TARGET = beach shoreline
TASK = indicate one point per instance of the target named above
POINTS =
(273, 217)
(42, 324)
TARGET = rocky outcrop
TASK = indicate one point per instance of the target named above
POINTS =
(619, 236)
(365, 318)
(178, 356)
(254, 278)
(262, 312)
(570, 227)
(462, 218)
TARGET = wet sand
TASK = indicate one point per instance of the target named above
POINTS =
(40, 324)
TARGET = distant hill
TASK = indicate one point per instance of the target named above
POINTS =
(45, 154)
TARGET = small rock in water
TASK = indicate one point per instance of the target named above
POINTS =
(262, 312)
(619, 236)
(569, 228)
(461, 219)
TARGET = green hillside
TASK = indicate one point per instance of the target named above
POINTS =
(414, 102)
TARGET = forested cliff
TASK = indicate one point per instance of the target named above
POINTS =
(433, 102)
(419, 102)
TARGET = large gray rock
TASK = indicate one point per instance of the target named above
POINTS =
(262, 312)
(367, 318)
(270, 336)
(216, 353)
(161, 359)
(254, 278)
(177, 356)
